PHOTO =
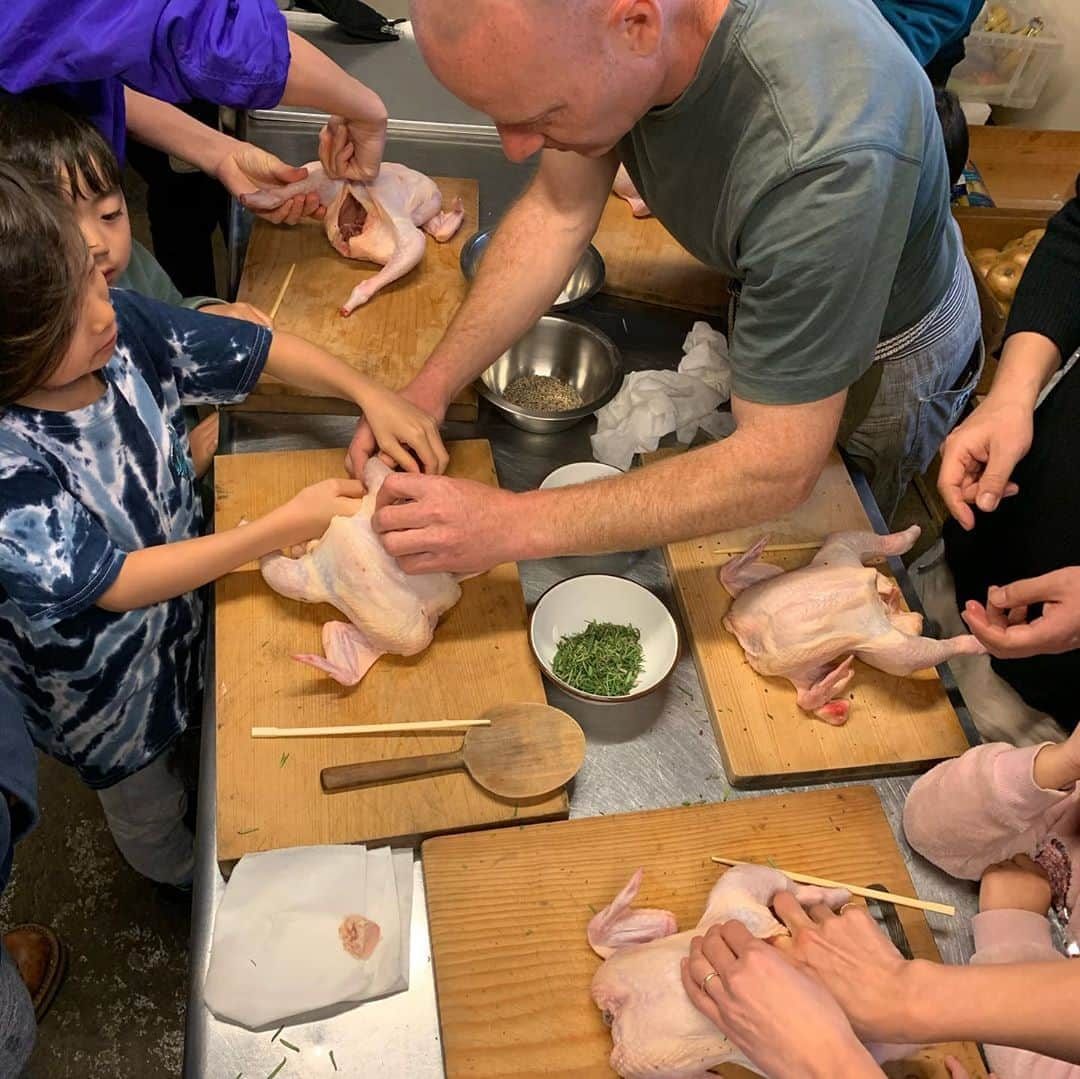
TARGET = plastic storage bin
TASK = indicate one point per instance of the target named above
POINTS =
(1006, 68)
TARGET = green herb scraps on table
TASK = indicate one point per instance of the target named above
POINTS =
(604, 659)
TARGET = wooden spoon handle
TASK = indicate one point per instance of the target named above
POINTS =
(347, 777)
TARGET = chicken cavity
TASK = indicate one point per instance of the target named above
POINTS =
(798, 624)
(388, 610)
(379, 221)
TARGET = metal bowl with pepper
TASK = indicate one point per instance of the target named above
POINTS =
(559, 373)
(603, 638)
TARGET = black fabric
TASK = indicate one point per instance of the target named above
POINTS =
(1033, 533)
(940, 67)
(1048, 296)
(184, 209)
(356, 18)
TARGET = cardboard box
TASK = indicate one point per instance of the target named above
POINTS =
(1025, 169)
(983, 227)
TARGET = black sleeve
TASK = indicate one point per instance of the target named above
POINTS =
(1048, 297)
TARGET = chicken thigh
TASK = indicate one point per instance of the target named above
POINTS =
(656, 1030)
(625, 189)
(388, 611)
(379, 221)
(798, 624)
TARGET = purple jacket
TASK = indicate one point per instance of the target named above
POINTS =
(230, 52)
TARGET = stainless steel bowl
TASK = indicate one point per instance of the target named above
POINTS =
(584, 282)
(564, 348)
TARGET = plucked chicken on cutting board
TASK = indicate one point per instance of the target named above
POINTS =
(656, 1030)
(798, 624)
(378, 221)
(348, 567)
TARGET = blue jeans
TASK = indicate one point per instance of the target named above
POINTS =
(17, 1025)
(919, 400)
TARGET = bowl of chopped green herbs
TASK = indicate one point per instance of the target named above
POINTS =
(603, 638)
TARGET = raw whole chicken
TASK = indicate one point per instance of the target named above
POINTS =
(625, 189)
(348, 567)
(656, 1030)
(798, 624)
(379, 221)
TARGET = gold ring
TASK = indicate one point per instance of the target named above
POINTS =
(849, 903)
(705, 980)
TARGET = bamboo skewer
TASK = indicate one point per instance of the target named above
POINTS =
(281, 292)
(426, 726)
(866, 893)
(808, 545)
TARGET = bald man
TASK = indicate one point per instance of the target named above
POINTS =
(792, 144)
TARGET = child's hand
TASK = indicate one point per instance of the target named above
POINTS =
(399, 426)
(307, 515)
(248, 312)
(204, 443)
(1018, 884)
(1057, 767)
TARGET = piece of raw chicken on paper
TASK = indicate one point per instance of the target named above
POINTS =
(348, 567)
(657, 1032)
(797, 625)
(378, 221)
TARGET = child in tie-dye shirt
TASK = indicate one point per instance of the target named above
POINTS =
(100, 553)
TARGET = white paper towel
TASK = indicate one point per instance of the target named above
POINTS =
(277, 953)
(652, 404)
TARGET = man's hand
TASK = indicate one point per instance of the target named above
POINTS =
(351, 148)
(783, 1020)
(417, 393)
(247, 169)
(979, 456)
(248, 312)
(1003, 625)
(1018, 884)
(854, 960)
(435, 524)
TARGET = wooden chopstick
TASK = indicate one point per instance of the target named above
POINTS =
(281, 293)
(809, 545)
(866, 893)
(428, 726)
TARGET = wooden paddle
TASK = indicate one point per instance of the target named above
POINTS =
(528, 751)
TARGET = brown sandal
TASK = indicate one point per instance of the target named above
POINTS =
(42, 959)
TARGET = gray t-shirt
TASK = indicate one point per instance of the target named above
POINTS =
(806, 161)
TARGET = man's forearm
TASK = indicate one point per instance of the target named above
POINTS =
(527, 262)
(1022, 1005)
(317, 82)
(726, 485)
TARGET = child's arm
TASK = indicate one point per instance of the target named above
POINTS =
(989, 804)
(398, 425)
(158, 573)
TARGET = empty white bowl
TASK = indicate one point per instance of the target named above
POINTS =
(578, 472)
(569, 606)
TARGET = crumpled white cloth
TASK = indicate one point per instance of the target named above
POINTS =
(652, 404)
(276, 952)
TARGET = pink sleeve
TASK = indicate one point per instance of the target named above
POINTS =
(980, 808)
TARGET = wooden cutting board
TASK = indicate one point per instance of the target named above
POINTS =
(508, 911)
(896, 725)
(389, 338)
(645, 262)
(268, 793)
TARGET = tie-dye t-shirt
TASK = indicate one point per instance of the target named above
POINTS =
(103, 691)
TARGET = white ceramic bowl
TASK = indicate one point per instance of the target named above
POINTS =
(570, 605)
(578, 472)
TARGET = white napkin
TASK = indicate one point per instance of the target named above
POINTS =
(277, 953)
(652, 404)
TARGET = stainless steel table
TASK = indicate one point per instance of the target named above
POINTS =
(669, 757)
